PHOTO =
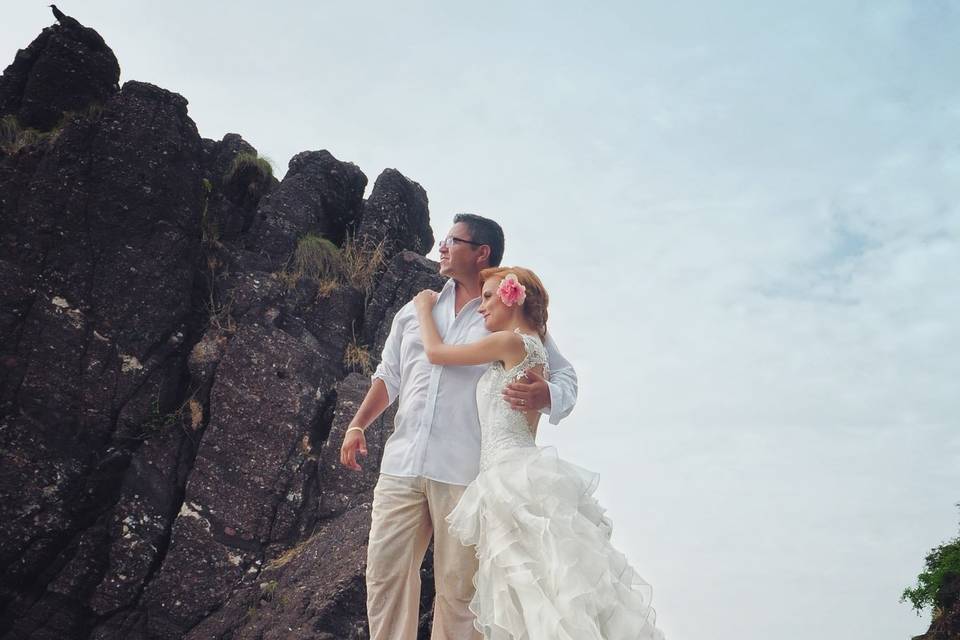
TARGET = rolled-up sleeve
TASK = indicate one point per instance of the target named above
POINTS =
(389, 368)
(562, 384)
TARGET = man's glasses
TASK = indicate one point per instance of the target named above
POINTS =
(449, 241)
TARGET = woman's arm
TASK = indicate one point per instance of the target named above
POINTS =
(504, 346)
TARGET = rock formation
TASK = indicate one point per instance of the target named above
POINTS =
(173, 388)
(66, 68)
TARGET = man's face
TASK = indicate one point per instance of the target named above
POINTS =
(459, 259)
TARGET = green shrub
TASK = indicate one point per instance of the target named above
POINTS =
(941, 563)
(327, 286)
(91, 112)
(356, 357)
(356, 263)
(362, 260)
(14, 137)
(9, 129)
(246, 159)
(315, 258)
(268, 589)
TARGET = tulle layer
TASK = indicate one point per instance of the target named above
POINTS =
(547, 570)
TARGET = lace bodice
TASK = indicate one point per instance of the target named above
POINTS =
(503, 428)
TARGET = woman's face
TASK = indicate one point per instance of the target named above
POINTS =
(496, 315)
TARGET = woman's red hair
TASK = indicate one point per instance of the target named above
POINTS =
(535, 305)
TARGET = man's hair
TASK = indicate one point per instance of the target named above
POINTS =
(485, 231)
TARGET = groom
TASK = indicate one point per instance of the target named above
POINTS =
(434, 451)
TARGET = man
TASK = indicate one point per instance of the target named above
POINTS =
(434, 451)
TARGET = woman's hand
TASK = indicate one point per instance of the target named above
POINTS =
(425, 300)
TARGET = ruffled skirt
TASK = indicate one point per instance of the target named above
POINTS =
(547, 570)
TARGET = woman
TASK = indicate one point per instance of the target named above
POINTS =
(547, 569)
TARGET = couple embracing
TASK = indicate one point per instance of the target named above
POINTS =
(521, 547)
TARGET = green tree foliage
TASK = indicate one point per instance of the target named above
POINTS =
(942, 563)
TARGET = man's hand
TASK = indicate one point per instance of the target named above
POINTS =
(532, 395)
(354, 442)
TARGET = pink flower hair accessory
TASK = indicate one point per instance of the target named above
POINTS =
(511, 291)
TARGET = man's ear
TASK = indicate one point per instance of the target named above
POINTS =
(483, 256)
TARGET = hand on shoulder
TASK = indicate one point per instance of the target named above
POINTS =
(425, 300)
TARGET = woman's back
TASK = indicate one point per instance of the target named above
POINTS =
(503, 429)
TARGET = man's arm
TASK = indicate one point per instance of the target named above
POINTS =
(383, 391)
(562, 383)
(389, 368)
(354, 441)
(555, 397)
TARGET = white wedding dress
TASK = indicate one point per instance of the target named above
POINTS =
(547, 570)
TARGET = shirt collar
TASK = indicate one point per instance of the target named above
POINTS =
(450, 290)
(450, 284)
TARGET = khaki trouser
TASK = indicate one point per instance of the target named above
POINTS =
(406, 512)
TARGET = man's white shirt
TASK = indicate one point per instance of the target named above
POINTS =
(437, 429)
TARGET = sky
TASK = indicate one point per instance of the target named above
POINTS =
(748, 218)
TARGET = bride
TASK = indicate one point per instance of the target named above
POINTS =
(547, 570)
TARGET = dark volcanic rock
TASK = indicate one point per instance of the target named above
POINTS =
(318, 194)
(316, 590)
(335, 320)
(407, 274)
(137, 531)
(263, 401)
(104, 241)
(219, 155)
(234, 195)
(171, 402)
(66, 68)
(397, 215)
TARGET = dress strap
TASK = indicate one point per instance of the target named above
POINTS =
(536, 354)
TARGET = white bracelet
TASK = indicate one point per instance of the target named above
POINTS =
(355, 429)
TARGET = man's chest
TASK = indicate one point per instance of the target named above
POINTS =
(463, 328)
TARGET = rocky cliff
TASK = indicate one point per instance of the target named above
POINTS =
(946, 618)
(183, 340)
